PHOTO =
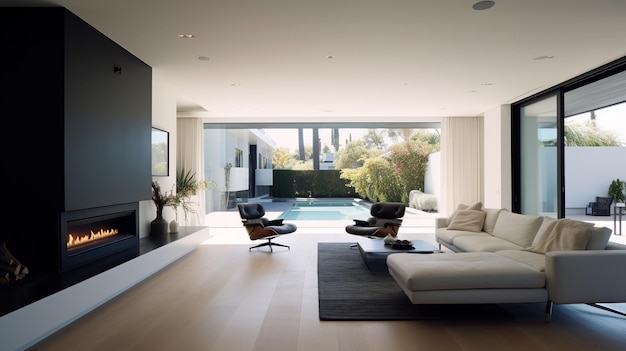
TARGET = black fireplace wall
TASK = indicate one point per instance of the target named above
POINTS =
(77, 113)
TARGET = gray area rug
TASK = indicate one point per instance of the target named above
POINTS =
(349, 291)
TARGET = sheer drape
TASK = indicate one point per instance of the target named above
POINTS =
(190, 156)
(461, 162)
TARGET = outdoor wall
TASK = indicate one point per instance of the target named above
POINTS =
(432, 178)
(264, 177)
(589, 172)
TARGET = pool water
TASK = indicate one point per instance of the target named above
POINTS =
(322, 210)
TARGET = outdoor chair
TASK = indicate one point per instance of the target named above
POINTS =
(386, 218)
(261, 228)
(602, 207)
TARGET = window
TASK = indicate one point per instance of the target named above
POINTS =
(262, 162)
(238, 157)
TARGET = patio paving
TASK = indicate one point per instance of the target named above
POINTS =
(415, 222)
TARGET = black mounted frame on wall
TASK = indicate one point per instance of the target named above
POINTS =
(160, 153)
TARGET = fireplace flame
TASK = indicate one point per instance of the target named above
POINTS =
(75, 240)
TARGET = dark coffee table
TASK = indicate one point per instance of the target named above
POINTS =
(375, 250)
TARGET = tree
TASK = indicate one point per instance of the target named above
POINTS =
(374, 139)
(395, 134)
(429, 136)
(588, 134)
(410, 160)
(301, 143)
(389, 178)
(376, 181)
(281, 156)
(354, 154)
(335, 139)
(316, 149)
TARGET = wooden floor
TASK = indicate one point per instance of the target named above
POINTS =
(223, 297)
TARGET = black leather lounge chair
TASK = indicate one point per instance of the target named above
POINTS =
(261, 228)
(386, 218)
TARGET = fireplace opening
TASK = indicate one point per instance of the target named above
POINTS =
(87, 233)
(92, 234)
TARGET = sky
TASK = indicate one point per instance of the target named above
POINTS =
(289, 137)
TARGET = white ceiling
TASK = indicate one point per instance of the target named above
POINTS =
(394, 60)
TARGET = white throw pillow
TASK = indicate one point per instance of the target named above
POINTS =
(566, 234)
(491, 218)
(460, 207)
(517, 228)
(468, 220)
(546, 227)
(598, 238)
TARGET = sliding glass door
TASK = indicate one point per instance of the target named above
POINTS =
(538, 151)
(568, 143)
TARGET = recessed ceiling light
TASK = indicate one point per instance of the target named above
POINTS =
(483, 5)
(186, 36)
(330, 57)
(202, 58)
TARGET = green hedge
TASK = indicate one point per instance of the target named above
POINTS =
(327, 183)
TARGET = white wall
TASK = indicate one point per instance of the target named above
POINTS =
(219, 149)
(589, 172)
(497, 158)
(163, 117)
(432, 178)
(264, 176)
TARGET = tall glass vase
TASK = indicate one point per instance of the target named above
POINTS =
(158, 227)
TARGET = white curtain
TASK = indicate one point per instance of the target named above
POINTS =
(461, 162)
(190, 156)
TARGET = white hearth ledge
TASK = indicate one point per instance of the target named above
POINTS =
(29, 325)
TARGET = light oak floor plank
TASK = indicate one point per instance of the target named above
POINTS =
(221, 297)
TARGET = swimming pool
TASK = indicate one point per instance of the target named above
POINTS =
(326, 210)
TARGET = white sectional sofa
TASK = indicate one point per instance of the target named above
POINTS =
(503, 257)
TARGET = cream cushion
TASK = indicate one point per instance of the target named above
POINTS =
(465, 270)
(534, 260)
(460, 207)
(517, 228)
(486, 242)
(490, 218)
(468, 220)
(450, 235)
(566, 234)
(546, 227)
(598, 238)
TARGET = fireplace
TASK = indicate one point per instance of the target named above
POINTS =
(92, 234)
(86, 243)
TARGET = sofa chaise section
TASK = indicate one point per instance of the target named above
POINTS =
(496, 255)
(466, 278)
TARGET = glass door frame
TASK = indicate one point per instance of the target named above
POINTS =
(516, 131)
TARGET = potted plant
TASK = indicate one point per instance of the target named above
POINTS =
(161, 199)
(186, 186)
(616, 190)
